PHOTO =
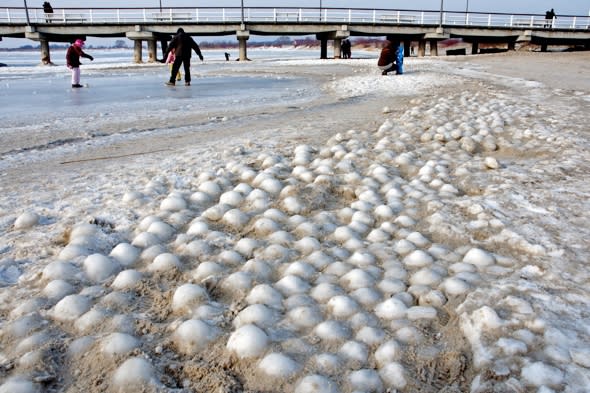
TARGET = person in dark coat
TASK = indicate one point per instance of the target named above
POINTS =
(73, 61)
(388, 57)
(183, 45)
(47, 9)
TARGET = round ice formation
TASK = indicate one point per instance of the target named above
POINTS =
(301, 269)
(479, 257)
(316, 384)
(291, 285)
(357, 278)
(355, 351)
(421, 312)
(231, 198)
(18, 384)
(161, 229)
(393, 374)
(342, 306)
(307, 245)
(305, 316)
(293, 205)
(60, 270)
(265, 294)
(206, 269)
(193, 336)
(404, 247)
(26, 220)
(418, 258)
(237, 283)
(365, 380)
(391, 308)
(265, 226)
(327, 363)
(134, 373)
(345, 233)
(127, 279)
(99, 267)
(278, 365)
(90, 320)
(164, 262)
(370, 335)
(216, 212)
(271, 185)
(173, 202)
(246, 246)
(248, 341)
(366, 296)
(210, 188)
(188, 296)
(332, 331)
(145, 240)
(57, 289)
(426, 277)
(256, 314)
(118, 344)
(235, 218)
(454, 286)
(539, 374)
(198, 228)
(71, 307)
(125, 254)
(418, 239)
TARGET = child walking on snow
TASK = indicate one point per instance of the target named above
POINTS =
(170, 61)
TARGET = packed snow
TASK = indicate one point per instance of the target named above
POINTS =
(440, 244)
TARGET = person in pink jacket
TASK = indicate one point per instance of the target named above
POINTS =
(73, 61)
(170, 61)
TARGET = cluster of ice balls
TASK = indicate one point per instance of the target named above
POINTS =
(321, 245)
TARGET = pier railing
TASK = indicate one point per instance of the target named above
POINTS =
(18, 15)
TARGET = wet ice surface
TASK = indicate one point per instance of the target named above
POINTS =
(442, 250)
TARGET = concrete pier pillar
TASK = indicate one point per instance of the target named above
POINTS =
(474, 48)
(337, 47)
(324, 48)
(137, 51)
(544, 48)
(407, 49)
(421, 48)
(152, 51)
(45, 55)
(512, 45)
(243, 36)
(433, 48)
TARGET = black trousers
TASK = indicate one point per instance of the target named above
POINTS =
(176, 67)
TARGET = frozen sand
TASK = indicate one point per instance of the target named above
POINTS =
(439, 245)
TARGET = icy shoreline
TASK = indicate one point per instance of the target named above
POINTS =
(436, 245)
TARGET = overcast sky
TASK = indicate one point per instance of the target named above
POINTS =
(564, 7)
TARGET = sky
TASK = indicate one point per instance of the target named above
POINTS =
(569, 7)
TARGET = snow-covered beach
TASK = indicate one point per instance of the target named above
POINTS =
(349, 233)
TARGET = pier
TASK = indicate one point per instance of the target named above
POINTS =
(154, 25)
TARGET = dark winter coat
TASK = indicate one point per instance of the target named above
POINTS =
(73, 56)
(183, 45)
(388, 55)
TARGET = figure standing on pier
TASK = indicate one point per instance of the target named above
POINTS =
(73, 61)
(183, 45)
(48, 11)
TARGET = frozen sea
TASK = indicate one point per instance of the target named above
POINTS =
(296, 225)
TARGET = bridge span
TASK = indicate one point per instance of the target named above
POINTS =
(327, 24)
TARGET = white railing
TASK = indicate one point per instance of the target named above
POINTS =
(18, 15)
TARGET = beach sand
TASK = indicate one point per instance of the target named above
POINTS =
(510, 316)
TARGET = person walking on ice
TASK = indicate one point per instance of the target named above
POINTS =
(73, 61)
(183, 45)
